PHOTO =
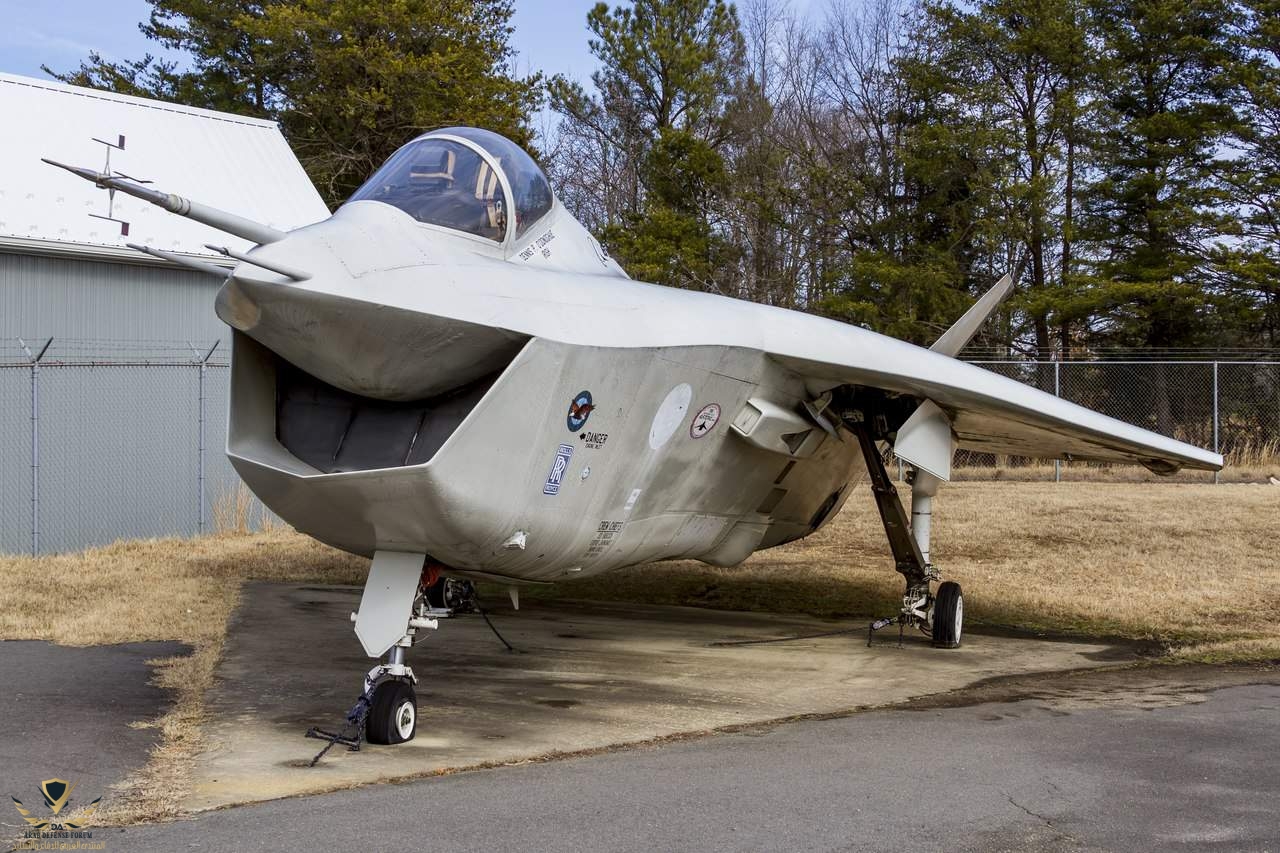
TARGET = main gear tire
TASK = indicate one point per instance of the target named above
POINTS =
(948, 616)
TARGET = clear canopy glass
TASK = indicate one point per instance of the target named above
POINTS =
(443, 182)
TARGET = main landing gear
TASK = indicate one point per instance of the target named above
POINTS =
(941, 614)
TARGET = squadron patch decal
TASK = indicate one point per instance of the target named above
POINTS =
(705, 421)
(561, 464)
(580, 408)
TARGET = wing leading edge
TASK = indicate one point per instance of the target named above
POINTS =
(994, 414)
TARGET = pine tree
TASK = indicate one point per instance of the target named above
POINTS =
(997, 85)
(1155, 203)
(670, 70)
(1250, 266)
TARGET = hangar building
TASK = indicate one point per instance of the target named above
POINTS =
(116, 431)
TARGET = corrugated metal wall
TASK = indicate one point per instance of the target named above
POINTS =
(89, 300)
(119, 391)
(119, 454)
(15, 460)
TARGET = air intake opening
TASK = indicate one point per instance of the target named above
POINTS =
(336, 431)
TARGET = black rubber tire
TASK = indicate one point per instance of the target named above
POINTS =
(393, 714)
(435, 593)
(948, 616)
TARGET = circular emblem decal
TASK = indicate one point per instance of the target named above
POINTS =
(579, 411)
(705, 421)
(670, 415)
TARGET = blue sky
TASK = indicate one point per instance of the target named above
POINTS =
(550, 35)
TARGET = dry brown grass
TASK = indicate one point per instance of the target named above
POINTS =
(1192, 566)
(239, 511)
(1196, 567)
(1260, 453)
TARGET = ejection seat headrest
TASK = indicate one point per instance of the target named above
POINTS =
(438, 173)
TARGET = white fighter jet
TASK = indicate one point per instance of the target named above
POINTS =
(451, 376)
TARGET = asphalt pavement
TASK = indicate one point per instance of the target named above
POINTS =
(65, 714)
(1071, 769)
(586, 676)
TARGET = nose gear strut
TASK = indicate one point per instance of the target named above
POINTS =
(387, 710)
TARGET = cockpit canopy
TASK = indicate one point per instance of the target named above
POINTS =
(459, 178)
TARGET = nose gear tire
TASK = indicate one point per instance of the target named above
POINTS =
(393, 713)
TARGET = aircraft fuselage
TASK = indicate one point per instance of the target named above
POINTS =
(575, 460)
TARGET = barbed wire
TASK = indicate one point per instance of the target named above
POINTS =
(19, 351)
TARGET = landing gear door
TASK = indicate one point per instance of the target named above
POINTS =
(387, 603)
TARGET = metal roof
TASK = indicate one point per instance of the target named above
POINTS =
(242, 165)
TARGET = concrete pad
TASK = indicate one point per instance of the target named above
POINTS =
(585, 676)
(65, 714)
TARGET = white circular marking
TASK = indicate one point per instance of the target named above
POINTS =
(959, 616)
(405, 715)
(670, 415)
(705, 421)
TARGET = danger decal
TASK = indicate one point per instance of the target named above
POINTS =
(594, 440)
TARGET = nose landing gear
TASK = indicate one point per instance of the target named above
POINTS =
(387, 711)
(392, 715)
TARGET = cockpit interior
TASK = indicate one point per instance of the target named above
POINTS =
(464, 179)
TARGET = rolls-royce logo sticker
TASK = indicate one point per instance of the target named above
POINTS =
(561, 464)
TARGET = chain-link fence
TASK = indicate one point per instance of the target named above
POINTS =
(98, 449)
(1232, 407)
(101, 441)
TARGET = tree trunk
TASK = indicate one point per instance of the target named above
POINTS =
(1068, 226)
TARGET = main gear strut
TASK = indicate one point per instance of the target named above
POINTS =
(938, 615)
